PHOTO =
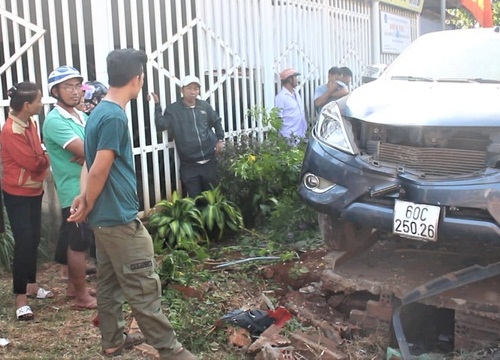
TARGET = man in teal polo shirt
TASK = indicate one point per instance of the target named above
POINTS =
(109, 201)
(63, 132)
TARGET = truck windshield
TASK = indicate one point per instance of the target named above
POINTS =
(471, 55)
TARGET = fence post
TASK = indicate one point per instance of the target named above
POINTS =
(267, 51)
(103, 36)
(375, 20)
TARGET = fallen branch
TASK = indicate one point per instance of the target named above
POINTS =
(324, 345)
(257, 258)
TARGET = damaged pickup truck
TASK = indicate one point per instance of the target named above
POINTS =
(416, 152)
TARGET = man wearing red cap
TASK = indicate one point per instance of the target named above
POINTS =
(291, 107)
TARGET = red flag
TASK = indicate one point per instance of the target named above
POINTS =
(481, 10)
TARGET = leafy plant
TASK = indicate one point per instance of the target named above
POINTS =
(177, 265)
(257, 175)
(6, 244)
(297, 271)
(177, 223)
(292, 220)
(217, 212)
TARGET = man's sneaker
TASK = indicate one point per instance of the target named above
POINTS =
(183, 354)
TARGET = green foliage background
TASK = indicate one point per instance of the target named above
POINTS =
(6, 244)
(262, 178)
(463, 19)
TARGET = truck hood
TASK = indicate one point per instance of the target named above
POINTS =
(397, 102)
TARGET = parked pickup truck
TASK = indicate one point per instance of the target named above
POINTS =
(415, 152)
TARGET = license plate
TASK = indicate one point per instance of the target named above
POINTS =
(416, 221)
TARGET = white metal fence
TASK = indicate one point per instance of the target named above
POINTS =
(236, 47)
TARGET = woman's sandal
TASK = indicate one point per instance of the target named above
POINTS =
(42, 294)
(131, 340)
(24, 313)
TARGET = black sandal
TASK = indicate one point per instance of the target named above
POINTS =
(131, 340)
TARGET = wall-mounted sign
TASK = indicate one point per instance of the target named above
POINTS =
(413, 5)
(394, 33)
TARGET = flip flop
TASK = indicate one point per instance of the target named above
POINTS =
(131, 340)
(92, 292)
(24, 313)
(43, 294)
(89, 306)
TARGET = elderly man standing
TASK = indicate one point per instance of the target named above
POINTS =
(291, 107)
(63, 132)
(198, 134)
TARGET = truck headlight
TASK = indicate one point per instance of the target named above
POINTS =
(331, 128)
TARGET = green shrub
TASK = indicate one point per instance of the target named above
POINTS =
(178, 265)
(218, 212)
(258, 175)
(292, 220)
(177, 224)
(185, 223)
(6, 245)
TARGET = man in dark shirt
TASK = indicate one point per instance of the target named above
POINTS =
(192, 122)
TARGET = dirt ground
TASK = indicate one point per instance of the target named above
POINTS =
(59, 332)
(319, 311)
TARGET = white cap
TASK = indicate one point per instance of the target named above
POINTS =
(189, 79)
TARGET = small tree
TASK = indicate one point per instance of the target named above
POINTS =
(259, 176)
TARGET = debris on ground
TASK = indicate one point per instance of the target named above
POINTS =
(258, 320)
(4, 342)
(254, 320)
(341, 313)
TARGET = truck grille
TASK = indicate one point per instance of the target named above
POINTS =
(433, 162)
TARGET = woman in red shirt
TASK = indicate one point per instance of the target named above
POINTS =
(25, 166)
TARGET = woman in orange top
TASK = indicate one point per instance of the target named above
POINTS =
(25, 166)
